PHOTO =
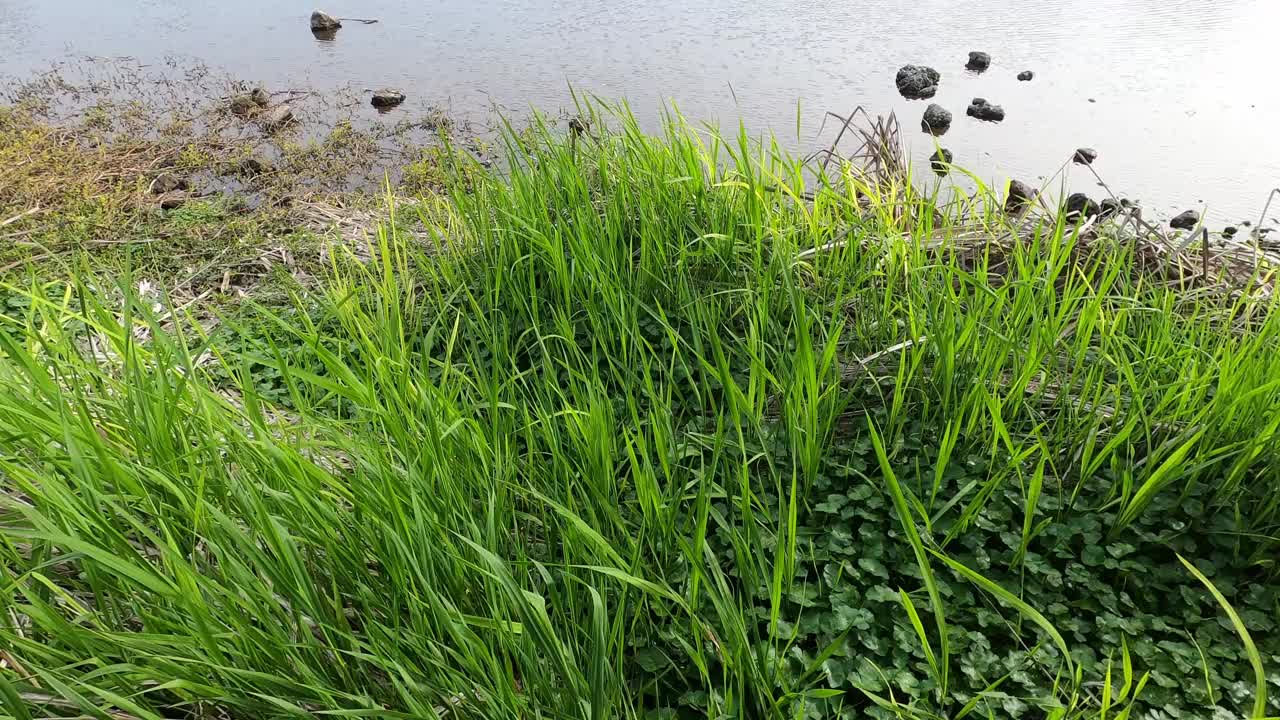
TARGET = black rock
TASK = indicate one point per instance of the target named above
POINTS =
(1085, 156)
(1026, 75)
(1020, 196)
(983, 110)
(937, 120)
(1080, 205)
(1229, 231)
(978, 61)
(917, 82)
(1246, 223)
(324, 22)
(940, 161)
(1185, 221)
(387, 98)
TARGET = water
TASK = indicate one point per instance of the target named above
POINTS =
(1185, 102)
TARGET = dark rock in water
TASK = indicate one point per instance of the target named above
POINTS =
(917, 82)
(978, 61)
(277, 117)
(243, 105)
(1185, 221)
(940, 161)
(260, 97)
(172, 203)
(983, 110)
(1229, 231)
(324, 22)
(1080, 205)
(1085, 156)
(167, 183)
(1026, 75)
(937, 120)
(1246, 223)
(387, 98)
(1019, 197)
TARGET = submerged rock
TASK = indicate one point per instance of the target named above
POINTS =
(978, 61)
(324, 22)
(983, 110)
(1019, 197)
(917, 82)
(1185, 221)
(1085, 156)
(167, 183)
(941, 160)
(1026, 75)
(277, 117)
(937, 120)
(386, 98)
(1080, 205)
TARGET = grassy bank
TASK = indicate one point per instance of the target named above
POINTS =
(652, 427)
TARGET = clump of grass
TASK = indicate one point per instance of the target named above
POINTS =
(660, 426)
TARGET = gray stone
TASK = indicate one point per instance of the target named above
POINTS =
(1019, 197)
(983, 110)
(940, 161)
(978, 61)
(386, 98)
(1185, 221)
(937, 120)
(1026, 75)
(277, 117)
(324, 22)
(917, 82)
(1085, 156)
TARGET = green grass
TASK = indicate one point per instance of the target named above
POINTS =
(616, 446)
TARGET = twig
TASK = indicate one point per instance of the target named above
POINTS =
(19, 216)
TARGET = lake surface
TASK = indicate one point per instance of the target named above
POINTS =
(1186, 102)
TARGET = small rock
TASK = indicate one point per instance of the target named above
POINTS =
(1080, 205)
(940, 161)
(172, 203)
(917, 82)
(1246, 223)
(1020, 195)
(324, 22)
(1229, 231)
(983, 110)
(277, 117)
(1185, 221)
(1085, 156)
(1026, 75)
(937, 120)
(260, 97)
(386, 98)
(243, 105)
(167, 183)
(978, 61)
